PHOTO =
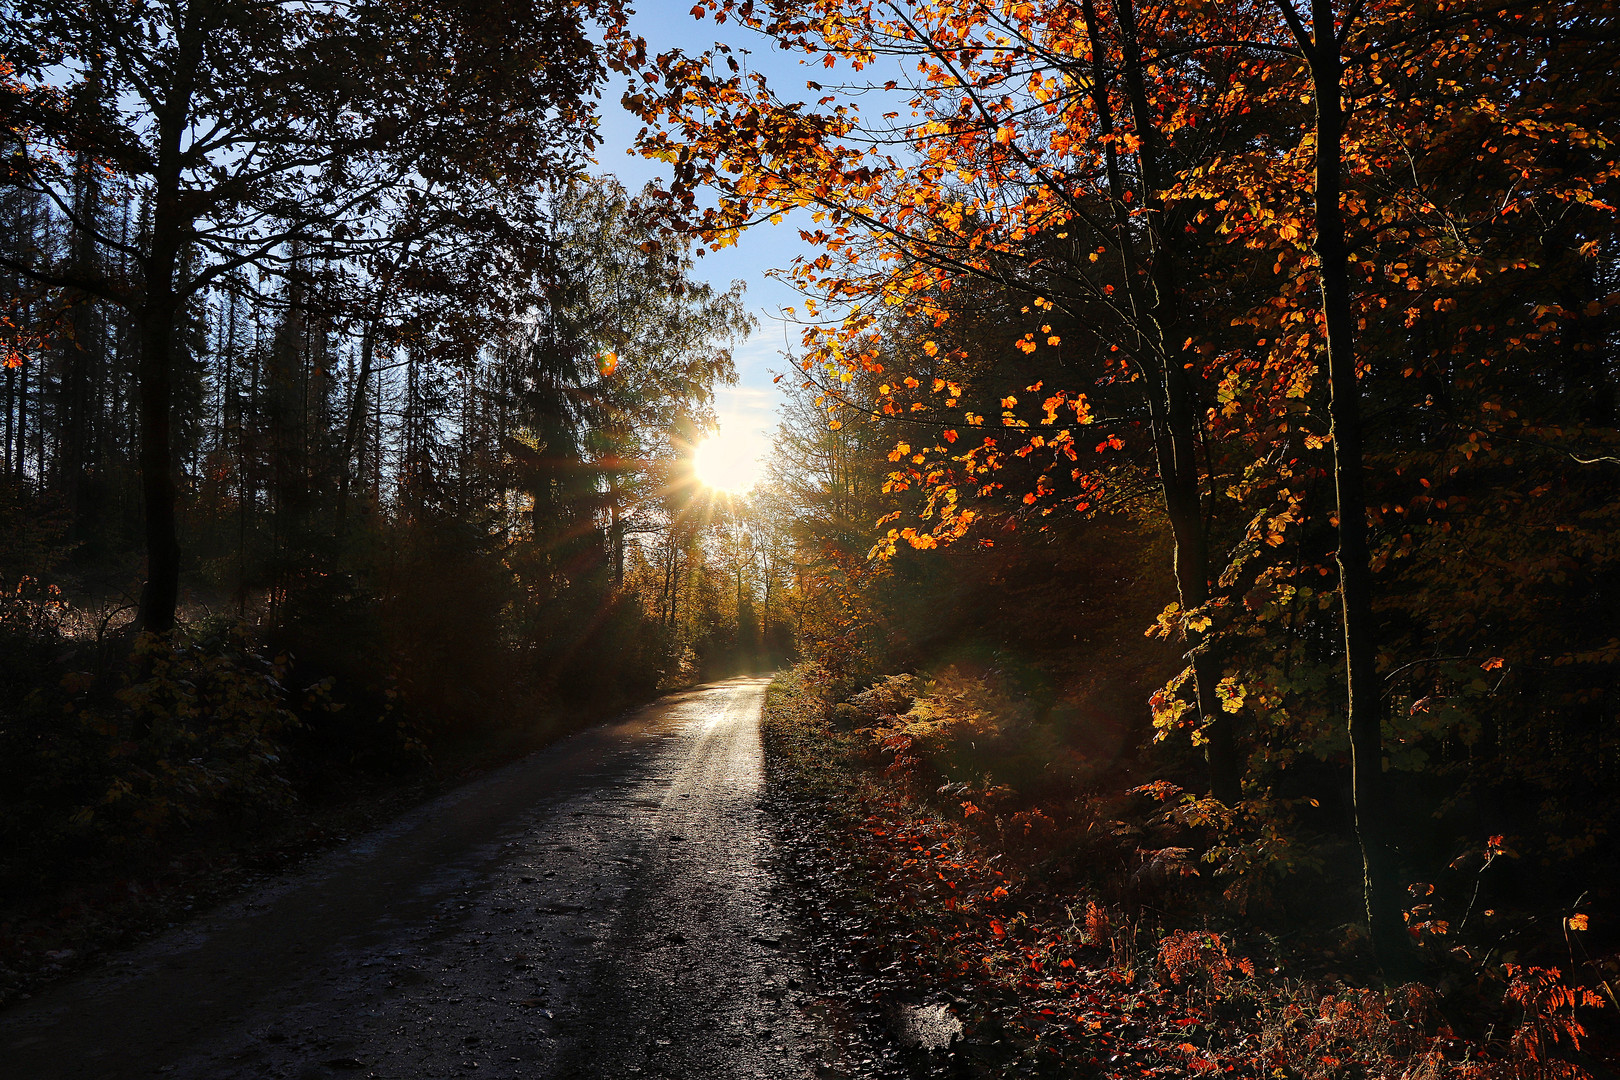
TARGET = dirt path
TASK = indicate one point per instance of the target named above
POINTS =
(604, 908)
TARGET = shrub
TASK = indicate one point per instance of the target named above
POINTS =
(181, 731)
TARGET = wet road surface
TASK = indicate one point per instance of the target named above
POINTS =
(603, 908)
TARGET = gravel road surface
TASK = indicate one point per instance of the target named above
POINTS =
(603, 908)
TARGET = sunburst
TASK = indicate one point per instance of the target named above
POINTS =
(730, 460)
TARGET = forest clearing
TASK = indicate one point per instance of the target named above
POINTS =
(1178, 529)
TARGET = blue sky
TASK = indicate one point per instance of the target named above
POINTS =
(746, 410)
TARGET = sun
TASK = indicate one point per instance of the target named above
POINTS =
(729, 460)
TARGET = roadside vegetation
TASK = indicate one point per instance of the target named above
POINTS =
(1068, 948)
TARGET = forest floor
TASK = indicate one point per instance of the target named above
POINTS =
(906, 911)
(890, 900)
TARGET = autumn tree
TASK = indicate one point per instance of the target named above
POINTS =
(1042, 144)
(1127, 176)
(1392, 239)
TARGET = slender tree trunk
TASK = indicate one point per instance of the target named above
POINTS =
(674, 586)
(22, 417)
(11, 401)
(804, 602)
(616, 531)
(1365, 715)
(351, 426)
(86, 359)
(247, 442)
(19, 460)
(765, 608)
(81, 356)
(1154, 294)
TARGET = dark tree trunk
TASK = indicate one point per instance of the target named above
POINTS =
(352, 426)
(1365, 700)
(86, 358)
(84, 364)
(161, 594)
(20, 461)
(11, 399)
(1155, 294)
(616, 531)
(155, 320)
(674, 585)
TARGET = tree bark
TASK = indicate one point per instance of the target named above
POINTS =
(1155, 293)
(616, 531)
(82, 362)
(155, 319)
(20, 461)
(161, 594)
(1364, 719)
(11, 400)
(351, 426)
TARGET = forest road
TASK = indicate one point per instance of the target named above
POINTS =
(602, 908)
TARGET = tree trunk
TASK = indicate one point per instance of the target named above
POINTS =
(616, 531)
(1154, 294)
(1365, 701)
(20, 462)
(81, 364)
(154, 361)
(161, 593)
(765, 610)
(674, 586)
(11, 399)
(351, 426)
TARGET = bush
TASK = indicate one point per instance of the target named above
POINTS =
(177, 733)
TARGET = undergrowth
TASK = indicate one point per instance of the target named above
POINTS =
(145, 777)
(945, 877)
